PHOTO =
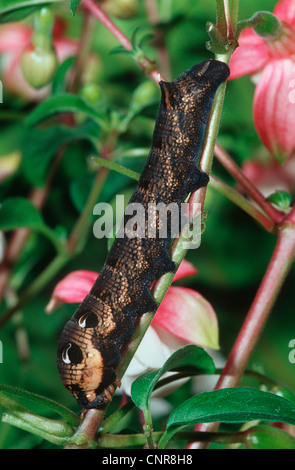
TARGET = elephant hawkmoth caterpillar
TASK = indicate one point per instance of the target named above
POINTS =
(90, 344)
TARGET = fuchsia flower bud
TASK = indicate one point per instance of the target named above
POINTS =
(273, 110)
(38, 66)
(273, 58)
(14, 38)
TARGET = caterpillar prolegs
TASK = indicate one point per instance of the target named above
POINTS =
(90, 344)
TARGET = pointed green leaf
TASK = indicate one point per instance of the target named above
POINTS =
(64, 412)
(18, 212)
(268, 437)
(61, 103)
(231, 405)
(74, 6)
(281, 199)
(41, 145)
(187, 358)
(14, 10)
(53, 430)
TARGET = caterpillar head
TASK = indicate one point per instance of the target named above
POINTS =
(81, 365)
(210, 71)
(195, 88)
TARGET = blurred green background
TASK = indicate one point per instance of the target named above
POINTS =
(234, 252)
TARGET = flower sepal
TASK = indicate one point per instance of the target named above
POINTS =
(219, 44)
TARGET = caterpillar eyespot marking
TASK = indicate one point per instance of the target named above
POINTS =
(90, 343)
(65, 354)
(88, 320)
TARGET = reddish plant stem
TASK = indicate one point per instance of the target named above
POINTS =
(87, 431)
(19, 237)
(275, 215)
(279, 265)
(151, 8)
(38, 196)
(83, 52)
(146, 65)
(95, 9)
(246, 205)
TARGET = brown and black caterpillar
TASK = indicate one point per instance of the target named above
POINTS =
(90, 344)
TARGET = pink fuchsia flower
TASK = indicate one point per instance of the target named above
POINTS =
(184, 317)
(269, 176)
(14, 37)
(271, 62)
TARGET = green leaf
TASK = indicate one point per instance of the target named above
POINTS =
(55, 431)
(231, 405)
(64, 412)
(41, 145)
(281, 199)
(21, 423)
(58, 83)
(268, 437)
(187, 358)
(120, 50)
(135, 39)
(18, 212)
(62, 103)
(74, 6)
(119, 168)
(14, 10)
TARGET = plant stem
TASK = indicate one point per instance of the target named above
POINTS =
(19, 237)
(242, 202)
(110, 422)
(275, 215)
(81, 228)
(234, 14)
(213, 127)
(279, 265)
(148, 430)
(146, 65)
(222, 15)
(93, 7)
(83, 52)
(86, 433)
(75, 241)
(52, 269)
(115, 441)
(116, 167)
(151, 8)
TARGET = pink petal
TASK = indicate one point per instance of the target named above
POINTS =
(65, 48)
(72, 288)
(251, 55)
(185, 269)
(274, 108)
(146, 359)
(14, 37)
(269, 176)
(285, 11)
(187, 315)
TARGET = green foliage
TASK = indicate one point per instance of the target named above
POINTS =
(65, 141)
(74, 6)
(62, 103)
(14, 10)
(190, 358)
(231, 405)
(269, 437)
(20, 213)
